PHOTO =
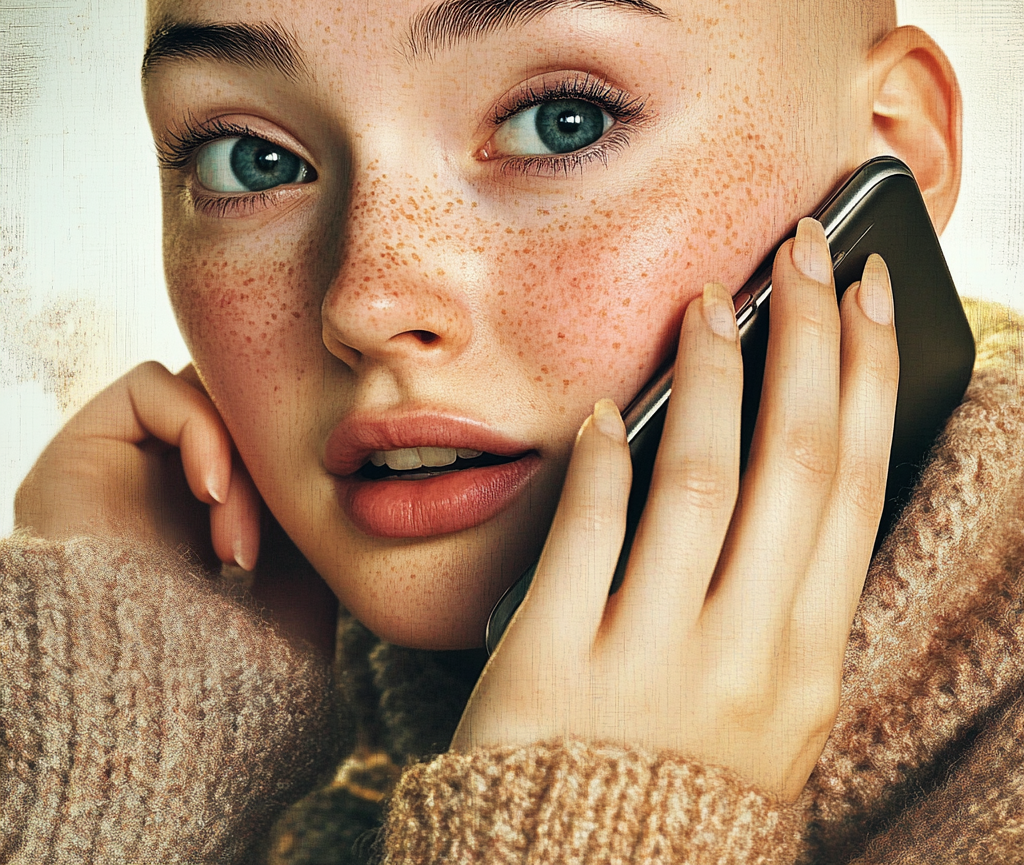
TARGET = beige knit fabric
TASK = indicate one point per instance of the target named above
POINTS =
(145, 715)
(572, 803)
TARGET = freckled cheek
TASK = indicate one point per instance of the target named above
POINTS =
(591, 321)
(253, 329)
(596, 313)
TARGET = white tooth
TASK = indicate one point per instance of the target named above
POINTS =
(403, 459)
(437, 456)
(467, 453)
(378, 458)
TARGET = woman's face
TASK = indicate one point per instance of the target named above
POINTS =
(458, 238)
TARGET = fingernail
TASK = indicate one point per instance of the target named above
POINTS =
(719, 312)
(875, 293)
(608, 420)
(245, 559)
(811, 254)
(216, 488)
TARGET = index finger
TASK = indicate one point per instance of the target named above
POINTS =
(152, 403)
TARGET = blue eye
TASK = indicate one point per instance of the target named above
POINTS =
(558, 126)
(246, 164)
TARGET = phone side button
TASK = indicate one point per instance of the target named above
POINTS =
(742, 301)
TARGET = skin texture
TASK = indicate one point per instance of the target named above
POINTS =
(544, 292)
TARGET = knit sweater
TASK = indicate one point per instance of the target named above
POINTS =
(149, 714)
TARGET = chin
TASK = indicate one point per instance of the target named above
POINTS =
(425, 596)
(432, 631)
(437, 593)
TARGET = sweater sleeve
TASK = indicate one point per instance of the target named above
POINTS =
(976, 813)
(146, 714)
(572, 803)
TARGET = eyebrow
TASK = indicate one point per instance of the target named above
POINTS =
(451, 21)
(256, 46)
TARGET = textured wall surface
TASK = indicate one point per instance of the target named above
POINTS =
(81, 290)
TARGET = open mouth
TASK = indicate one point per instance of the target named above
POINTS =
(413, 464)
(418, 474)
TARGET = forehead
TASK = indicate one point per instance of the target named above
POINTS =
(424, 26)
(437, 33)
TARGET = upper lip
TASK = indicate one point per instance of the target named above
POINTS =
(360, 434)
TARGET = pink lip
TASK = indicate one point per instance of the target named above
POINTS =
(421, 508)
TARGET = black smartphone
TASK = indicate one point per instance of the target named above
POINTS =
(878, 209)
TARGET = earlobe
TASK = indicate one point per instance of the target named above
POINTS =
(917, 114)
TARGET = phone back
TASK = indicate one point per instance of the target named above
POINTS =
(880, 210)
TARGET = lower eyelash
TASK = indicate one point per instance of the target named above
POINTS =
(234, 205)
(564, 165)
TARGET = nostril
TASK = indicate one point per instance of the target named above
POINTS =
(425, 336)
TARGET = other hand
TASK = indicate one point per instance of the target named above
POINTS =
(149, 458)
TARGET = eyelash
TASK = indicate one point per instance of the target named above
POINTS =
(184, 142)
(629, 113)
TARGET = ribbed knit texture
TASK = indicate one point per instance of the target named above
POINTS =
(145, 715)
(572, 803)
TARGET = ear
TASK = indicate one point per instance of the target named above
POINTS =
(918, 114)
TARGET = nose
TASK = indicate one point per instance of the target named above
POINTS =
(399, 296)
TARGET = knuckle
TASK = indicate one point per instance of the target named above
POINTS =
(818, 322)
(747, 696)
(862, 487)
(811, 453)
(147, 371)
(702, 484)
(750, 712)
(879, 370)
(598, 516)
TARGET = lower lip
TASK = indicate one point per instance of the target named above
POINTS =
(434, 506)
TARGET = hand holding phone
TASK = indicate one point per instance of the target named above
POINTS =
(726, 639)
(879, 209)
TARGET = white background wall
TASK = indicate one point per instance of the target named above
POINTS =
(81, 288)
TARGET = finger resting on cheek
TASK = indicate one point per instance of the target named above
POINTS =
(696, 475)
(206, 457)
(570, 589)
